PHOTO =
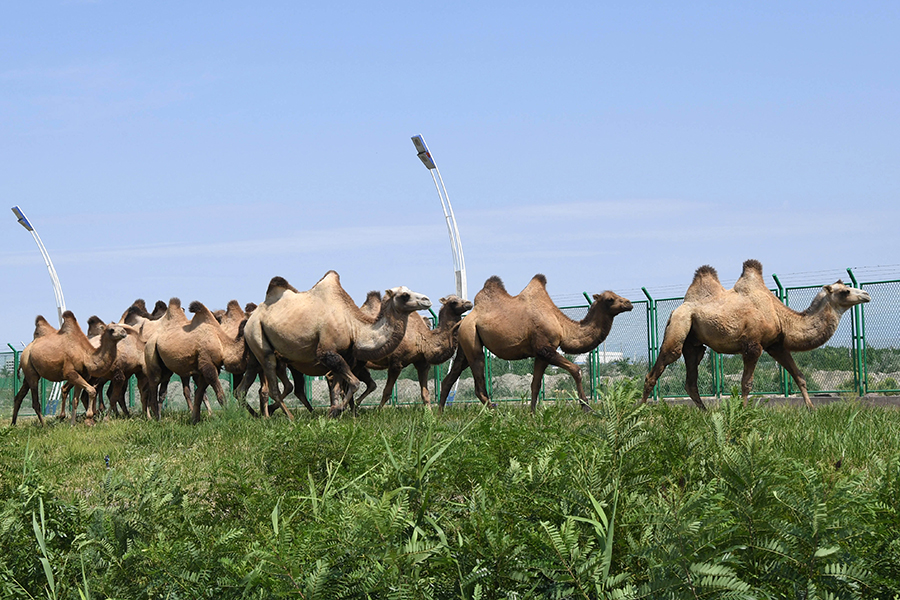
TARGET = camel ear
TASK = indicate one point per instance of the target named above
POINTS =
(388, 294)
(828, 289)
(443, 300)
(596, 297)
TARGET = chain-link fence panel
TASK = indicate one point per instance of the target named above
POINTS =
(828, 368)
(881, 338)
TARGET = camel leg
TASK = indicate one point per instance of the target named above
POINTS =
(363, 374)
(270, 384)
(299, 389)
(751, 356)
(392, 375)
(457, 367)
(35, 401)
(537, 379)
(77, 382)
(423, 370)
(558, 360)
(677, 330)
(693, 354)
(784, 358)
(335, 363)
(477, 364)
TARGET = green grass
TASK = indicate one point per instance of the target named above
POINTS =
(628, 502)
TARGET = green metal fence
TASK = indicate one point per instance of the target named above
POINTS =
(862, 357)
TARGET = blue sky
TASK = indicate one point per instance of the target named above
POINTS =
(198, 149)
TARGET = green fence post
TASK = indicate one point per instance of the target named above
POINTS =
(652, 336)
(858, 335)
(593, 358)
(783, 375)
(15, 372)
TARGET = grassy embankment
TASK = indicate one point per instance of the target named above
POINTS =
(652, 502)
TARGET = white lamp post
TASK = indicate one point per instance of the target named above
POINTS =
(459, 262)
(57, 288)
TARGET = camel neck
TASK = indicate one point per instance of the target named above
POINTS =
(587, 334)
(811, 328)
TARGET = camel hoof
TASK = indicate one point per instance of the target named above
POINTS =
(492, 405)
(585, 408)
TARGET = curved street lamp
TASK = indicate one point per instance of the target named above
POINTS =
(54, 279)
(459, 261)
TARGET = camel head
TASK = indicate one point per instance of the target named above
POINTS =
(842, 297)
(613, 303)
(115, 332)
(404, 300)
(453, 306)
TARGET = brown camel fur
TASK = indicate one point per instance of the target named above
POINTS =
(66, 355)
(747, 320)
(322, 329)
(198, 348)
(528, 325)
(423, 347)
(129, 362)
(146, 324)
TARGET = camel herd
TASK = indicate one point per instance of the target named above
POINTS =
(323, 332)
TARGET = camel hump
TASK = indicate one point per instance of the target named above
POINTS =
(372, 305)
(96, 326)
(70, 323)
(174, 303)
(706, 283)
(752, 265)
(159, 309)
(250, 307)
(279, 283)
(706, 271)
(139, 303)
(540, 278)
(42, 327)
(751, 277)
(494, 283)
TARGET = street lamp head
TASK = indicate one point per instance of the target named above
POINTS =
(423, 153)
(23, 220)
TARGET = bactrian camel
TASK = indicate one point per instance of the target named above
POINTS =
(747, 320)
(198, 348)
(320, 330)
(423, 346)
(528, 325)
(66, 355)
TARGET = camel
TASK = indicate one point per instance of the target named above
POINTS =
(320, 330)
(66, 355)
(199, 348)
(422, 346)
(747, 320)
(528, 325)
(129, 362)
(146, 325)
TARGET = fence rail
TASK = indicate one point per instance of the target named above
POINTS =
(863, 356)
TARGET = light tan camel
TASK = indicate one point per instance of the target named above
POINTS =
(525, 326)
(66, 355)
(320, 330)
(198, 348)
(422, 346)
(747, 320)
